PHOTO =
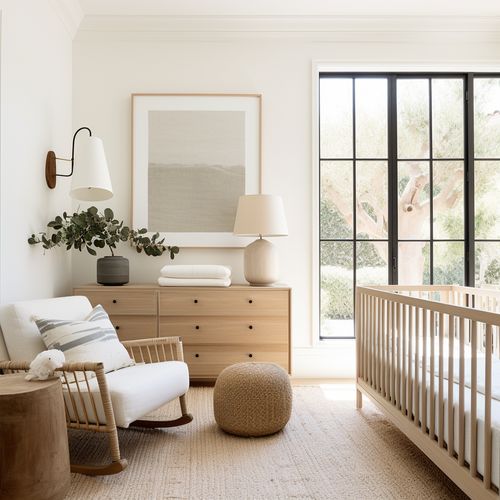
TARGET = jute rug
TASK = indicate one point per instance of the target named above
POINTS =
(328, 450)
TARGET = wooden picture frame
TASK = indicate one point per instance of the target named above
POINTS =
(193, 155)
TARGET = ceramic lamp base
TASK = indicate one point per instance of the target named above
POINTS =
(261, 263)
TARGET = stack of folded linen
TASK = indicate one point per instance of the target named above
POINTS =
(195, 275)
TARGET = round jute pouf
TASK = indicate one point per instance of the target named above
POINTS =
(252, 399)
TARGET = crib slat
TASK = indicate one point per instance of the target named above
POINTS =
(365, 338)
(398, 357)
(461, 394)
(387, 357)
(451, 424)
(432, 393)
(403, 371)
(410, 357)
(487, 408)
(440, 383)
(369, 337)
(423, 415)
(393, 352)
(372, 341)
(416, 377)
(473, 402)
(381, 335)
(376, 325)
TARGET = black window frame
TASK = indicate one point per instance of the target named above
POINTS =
(392, 159)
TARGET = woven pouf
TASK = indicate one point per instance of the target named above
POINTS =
(252, 399)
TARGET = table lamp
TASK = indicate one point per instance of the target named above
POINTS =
(260, 215)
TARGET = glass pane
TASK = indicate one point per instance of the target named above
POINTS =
(448, 187)
(371, 202)
(486, 117)
(486, 199)
(371, 117)
(336, 211)
(371, 263)
(447, 118)
(414, 263)
(413, 118)
(413, 200)
(487, 264)
(336, 118)
(448, 261)
(337, 289)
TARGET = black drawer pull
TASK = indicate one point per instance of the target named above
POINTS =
(196, 355)
(117, 327)
(197, 327)
(195, 301)
(250, 301)
(250, 327)
(114, 301)
(250, 355)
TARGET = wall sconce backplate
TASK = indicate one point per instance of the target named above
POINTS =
(50, 169)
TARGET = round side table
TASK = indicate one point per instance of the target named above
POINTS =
(34, 455)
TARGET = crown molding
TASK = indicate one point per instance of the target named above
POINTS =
(71, 14)
(424, 29)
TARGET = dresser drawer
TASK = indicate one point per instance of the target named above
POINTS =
(123, 301)
(209, 361)
(223, 302)
(134, 327)
(226, 329)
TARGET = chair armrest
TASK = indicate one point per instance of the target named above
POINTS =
(20, 366)
(155, 350)
(81, 408)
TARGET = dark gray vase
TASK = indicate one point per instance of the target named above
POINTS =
(112, 271)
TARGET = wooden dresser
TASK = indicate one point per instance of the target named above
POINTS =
(218, 326)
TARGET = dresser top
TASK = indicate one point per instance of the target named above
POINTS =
(146, 286)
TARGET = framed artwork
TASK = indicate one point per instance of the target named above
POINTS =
(193, 156)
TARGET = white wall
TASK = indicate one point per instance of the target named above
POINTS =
(108, 67)
(35, 109)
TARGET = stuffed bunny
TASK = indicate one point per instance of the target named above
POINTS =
(43, 366)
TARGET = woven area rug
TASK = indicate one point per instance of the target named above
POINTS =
(328, 450)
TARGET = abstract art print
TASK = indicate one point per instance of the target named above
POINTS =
(194, 155)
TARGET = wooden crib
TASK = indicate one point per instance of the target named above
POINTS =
(408, 339)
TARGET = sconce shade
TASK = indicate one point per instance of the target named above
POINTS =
(90, 179)
(260, 214)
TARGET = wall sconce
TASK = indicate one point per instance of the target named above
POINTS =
(91, 181)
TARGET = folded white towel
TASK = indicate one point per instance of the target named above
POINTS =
(196, 271)
(162, 281)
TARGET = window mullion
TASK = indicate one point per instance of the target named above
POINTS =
(469, 180)
(392, 183)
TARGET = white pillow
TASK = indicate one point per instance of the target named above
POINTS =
(93, 340)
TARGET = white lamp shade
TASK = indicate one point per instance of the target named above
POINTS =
(260, 214)
(90, 180)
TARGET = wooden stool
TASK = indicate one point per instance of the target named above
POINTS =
(34, 455)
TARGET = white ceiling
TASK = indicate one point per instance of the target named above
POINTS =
(292, 7)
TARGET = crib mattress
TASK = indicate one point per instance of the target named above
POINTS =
(495, 424)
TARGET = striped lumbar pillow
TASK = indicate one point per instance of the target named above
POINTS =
(93, 340)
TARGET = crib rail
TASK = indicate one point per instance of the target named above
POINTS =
(408, 341)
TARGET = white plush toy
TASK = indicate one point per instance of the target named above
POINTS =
(43, 366)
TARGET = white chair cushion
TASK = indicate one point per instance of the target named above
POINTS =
(94, 339)
(21, 335)
(135, 391)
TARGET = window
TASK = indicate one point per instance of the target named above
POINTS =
(395, 154)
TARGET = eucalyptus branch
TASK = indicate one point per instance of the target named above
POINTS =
(89, 228)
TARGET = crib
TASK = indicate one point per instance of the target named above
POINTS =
(429, 358)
